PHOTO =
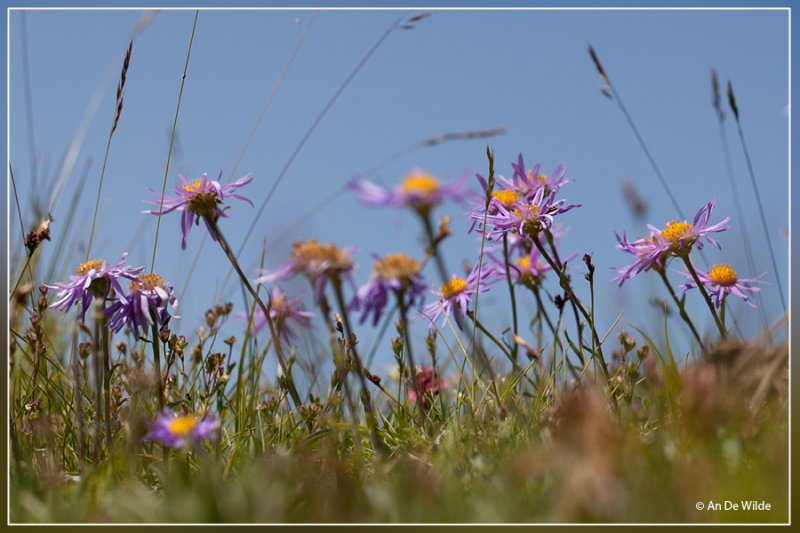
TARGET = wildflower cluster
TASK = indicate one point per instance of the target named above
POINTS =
(677, 239)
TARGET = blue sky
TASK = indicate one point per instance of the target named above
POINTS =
(525, 70)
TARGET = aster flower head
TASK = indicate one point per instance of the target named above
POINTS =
(420, 190)
(528, 270)
(318, 262)
(428, 383)
(528, 182)
(525, 218)
(722, 280)
(96, 278)
(454, 295)
(285, 313)
(177, 431)
(199, 197)
(678, 237)
(524, 184)
(145, 304)
(648, 252)
(397, 273)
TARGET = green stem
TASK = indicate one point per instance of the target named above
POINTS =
(369, 410)
(702, 289)
(511, 292)
(407, 341)
(434, 247)
(107, 381)
(681, 307)
(156, 342)
(478, 324)
(98, 379)
(556, 266)
(276, 340)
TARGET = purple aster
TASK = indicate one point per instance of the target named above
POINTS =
(419, 190)
(721, 280)
(394, 273)
(680, 236)
(148, 298)
(454, 295)
(527, 183)
(199, 197)
(523, 185)
(648, 252)
(522, 217)
(93, 278)
(175, 431)
(318, 262)
(284, 313)
(676, 239)
(528, 269)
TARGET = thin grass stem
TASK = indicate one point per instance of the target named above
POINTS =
(171, 141)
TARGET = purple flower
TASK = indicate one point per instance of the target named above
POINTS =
(527, 183)
(199, 197)
(454, 295)
(523, 187)
(419, 190)
(283, 312)
(93, 278)
(649, 253)
(680, 236)
(528, 269)
(175, 431)
(148, 298)
(318, 262)
(676, 239)
(395, 273)
(524, 218)
(721, 280)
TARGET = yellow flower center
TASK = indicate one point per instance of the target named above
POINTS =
(278, 302)
(147, 282)
(505, 197)
(396, 266)
(529, 211)
(312, 253)
(541, 179)
(421, 184)
(194, 186)
(88, 266)
(722, 275)
(182, 425)
(453, 287)
(675, 231)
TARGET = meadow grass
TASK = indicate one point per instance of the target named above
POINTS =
(549, 420)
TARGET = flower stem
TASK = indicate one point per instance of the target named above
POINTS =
(490, 336)
(369, 410)
(107, 381)
(407, 341)
(511, 292)
(702, 289)
(99, 304)
(681, 308)
(434, 246)
(276, 340)
(156, 342)
(556, 266)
